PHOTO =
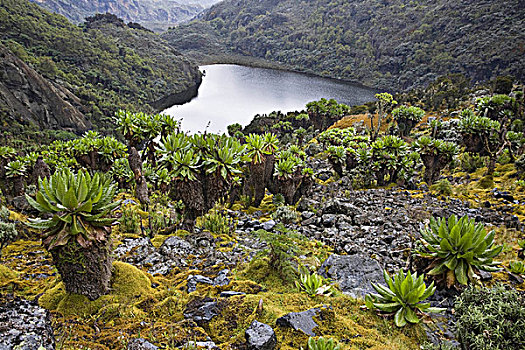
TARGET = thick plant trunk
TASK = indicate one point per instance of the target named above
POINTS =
(18, 186)
(255, 183)
(40, 171)
(215, 189)
(85, 271)
(135, 163)
(191, 194)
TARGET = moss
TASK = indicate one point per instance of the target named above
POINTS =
(129, 285)
(342, 320)
(486, 182)
(7, 275)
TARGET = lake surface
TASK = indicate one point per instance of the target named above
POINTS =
(235, 94)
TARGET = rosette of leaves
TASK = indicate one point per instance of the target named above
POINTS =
(436, 155)
(388, 156)
(271, 146)
(80, 205)
(459, 249)
(493, 106)
(517, 267)
(322, 344)
(337, 158)
(16, 170)
(403, 297)
(478, 132)
(221, 164)
(77, 233)
(255, 184)
(313, 284)
(407, 118)
(121, 173)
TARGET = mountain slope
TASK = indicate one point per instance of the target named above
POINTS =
(389, 44)
(106, 64)
(154, 14)
(27, 96)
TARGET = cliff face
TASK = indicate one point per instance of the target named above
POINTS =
(157, 15)
(395, 44)
(27, 97)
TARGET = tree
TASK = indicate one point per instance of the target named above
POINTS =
(384, 102)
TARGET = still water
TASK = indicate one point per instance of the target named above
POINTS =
(235, 94)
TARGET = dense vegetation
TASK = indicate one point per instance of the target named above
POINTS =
(391, 45)
(105, 63)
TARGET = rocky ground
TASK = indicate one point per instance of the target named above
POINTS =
(367, 231)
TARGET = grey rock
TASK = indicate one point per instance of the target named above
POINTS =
(329, 220)
(193, 280)
(230, 293)
(25, 326)
(302, 321)
(305, 215)
(141, 344)
(176, 246)
(268, 225)
(202, 311)
(260, 336)
(222, 278)
(200, 344)
(354, 273)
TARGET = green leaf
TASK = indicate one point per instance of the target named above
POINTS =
(411, 316)
(399, 318)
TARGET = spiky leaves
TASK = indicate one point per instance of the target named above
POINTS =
(322, 344)
(459, 249)
(80, 205)
(403, 297)
(407, 118)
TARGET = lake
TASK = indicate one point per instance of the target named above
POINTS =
(235, 94)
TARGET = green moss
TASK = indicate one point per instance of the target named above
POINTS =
(486, 182)
(129, 286)
(7, 275)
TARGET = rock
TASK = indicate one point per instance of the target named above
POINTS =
(485, 275)
(200, 344)
(25, 326)
(230, 293)
(21, 204)
(329, 220)
(260, 336)
(222, 279)
(305, 215)
(201, 310)
(176, 246)
(268, 225)
(302, 321)
(193, 280)
(141, 344)
(354, 273)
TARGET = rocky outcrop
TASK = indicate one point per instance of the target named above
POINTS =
(28, 98)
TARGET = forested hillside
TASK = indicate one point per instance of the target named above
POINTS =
(387, 44)
(153, 14)
(106, 64)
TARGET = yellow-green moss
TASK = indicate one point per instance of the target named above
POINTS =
(7, 275)
(129, 286)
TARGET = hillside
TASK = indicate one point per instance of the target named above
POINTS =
(106, 64)
(387, 44)
(154, 14)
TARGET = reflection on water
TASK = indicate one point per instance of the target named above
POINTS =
(235, 94)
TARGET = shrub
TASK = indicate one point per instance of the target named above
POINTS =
(442, 187)
(130, 222)
(402, 297)
(491, 318)
(520, 165)
(217, 223)
(459, 249)
(285, 214)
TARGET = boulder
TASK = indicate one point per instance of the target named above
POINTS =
(141, 344)
(354, 273)
(302, 321)
(260, 336)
